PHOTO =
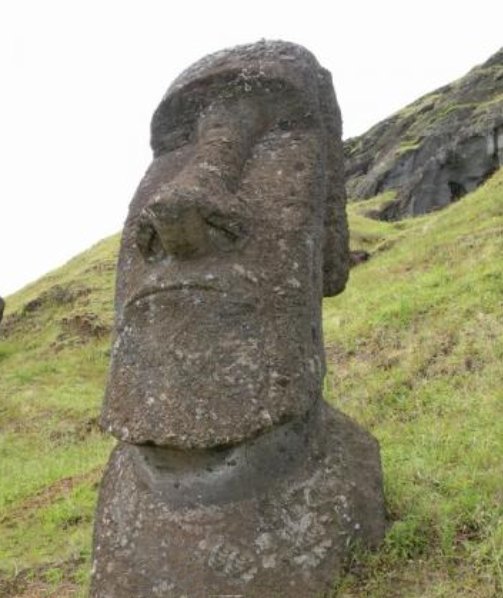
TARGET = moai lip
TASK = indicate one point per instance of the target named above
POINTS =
(232, 474)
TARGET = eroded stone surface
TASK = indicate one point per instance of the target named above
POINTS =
(232, 476)
(273, 517)
(234, 232)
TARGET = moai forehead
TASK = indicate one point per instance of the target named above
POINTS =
(234, 234)
(279, 78)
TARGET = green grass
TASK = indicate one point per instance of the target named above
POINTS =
(52, 374)
(370, 234)
(416, 346)
(415, 353)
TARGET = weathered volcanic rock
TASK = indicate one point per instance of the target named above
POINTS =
(272, 517)
(235, 232)
(232, 475)
(358, 256)
(437, 149)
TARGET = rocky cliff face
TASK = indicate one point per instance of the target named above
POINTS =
(435, 150)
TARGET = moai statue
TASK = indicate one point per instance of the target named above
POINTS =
(232, 476)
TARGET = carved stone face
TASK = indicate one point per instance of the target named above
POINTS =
(222, 268)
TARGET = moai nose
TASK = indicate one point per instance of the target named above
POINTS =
(172, 226)
(186, 227)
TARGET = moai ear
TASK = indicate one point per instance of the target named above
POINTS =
(336, 239)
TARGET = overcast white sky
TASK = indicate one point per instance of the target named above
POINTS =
(81, 78)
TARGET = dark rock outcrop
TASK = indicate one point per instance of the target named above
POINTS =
(358, 256)
(55, 295)
(435, 150)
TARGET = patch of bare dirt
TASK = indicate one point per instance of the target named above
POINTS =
(82, 328)
(33, 583)
(50, 493)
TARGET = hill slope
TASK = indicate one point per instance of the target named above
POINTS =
(53, 357)
(435, 150)
(415, 348)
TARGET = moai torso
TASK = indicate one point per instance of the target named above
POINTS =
(235, 233)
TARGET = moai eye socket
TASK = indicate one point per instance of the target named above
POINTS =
(225, 232)
(176, 139)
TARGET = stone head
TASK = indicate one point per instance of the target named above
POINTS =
(234, 235)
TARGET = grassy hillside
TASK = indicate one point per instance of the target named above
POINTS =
(416, 352)
(54, 344)
(415, 348)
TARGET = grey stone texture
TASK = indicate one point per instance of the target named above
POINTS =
(231, 474)
(275, 516)
(435, 150)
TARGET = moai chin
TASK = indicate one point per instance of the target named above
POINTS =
(231, 475)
